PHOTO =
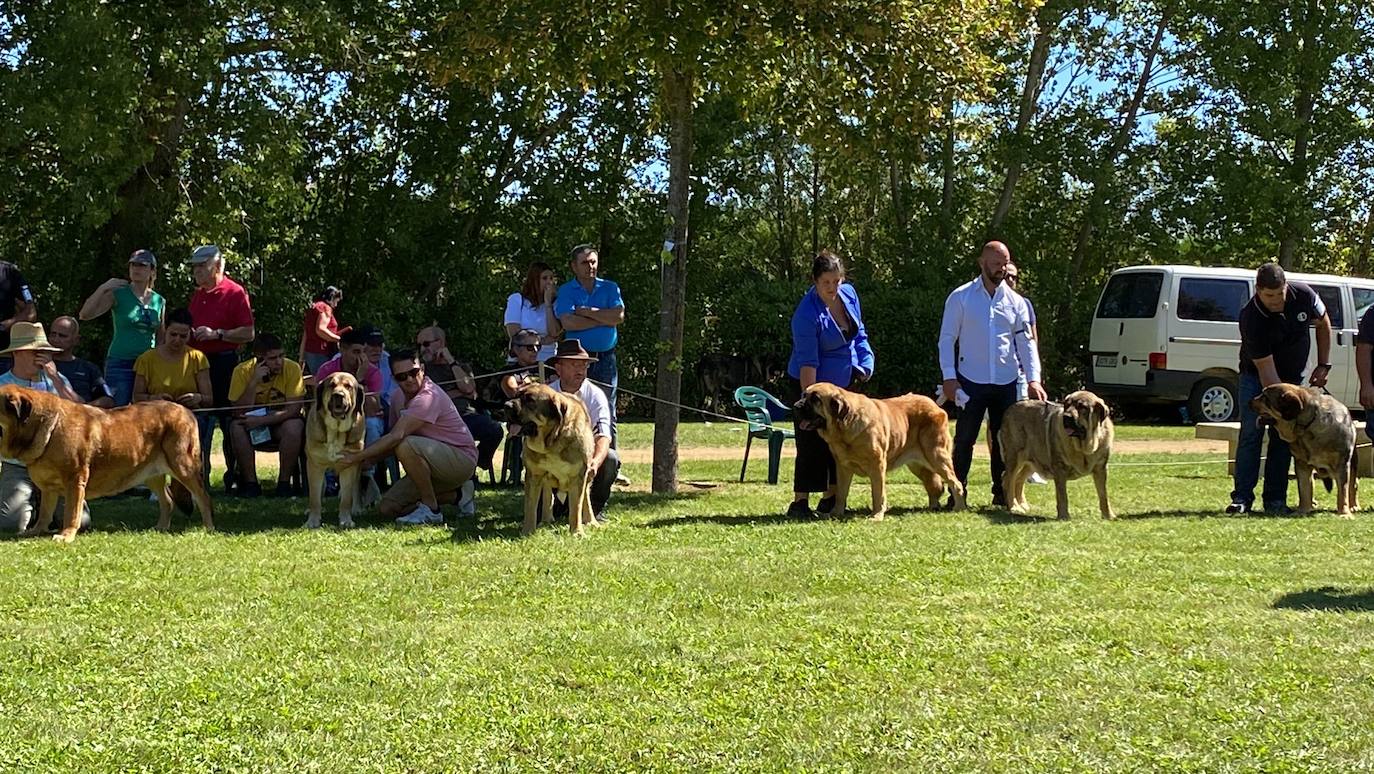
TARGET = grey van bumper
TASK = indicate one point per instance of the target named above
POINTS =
(1159, 386)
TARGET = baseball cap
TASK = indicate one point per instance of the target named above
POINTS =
(204, 253)
(144, 257)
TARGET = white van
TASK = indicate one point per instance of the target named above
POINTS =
(1171, 334)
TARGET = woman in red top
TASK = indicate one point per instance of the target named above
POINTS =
(320, 339)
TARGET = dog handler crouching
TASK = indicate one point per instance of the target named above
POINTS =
(33, 368)
(431, 441)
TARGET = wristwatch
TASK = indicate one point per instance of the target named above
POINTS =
(1327, 366)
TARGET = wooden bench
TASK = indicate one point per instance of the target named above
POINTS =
(1230, 433)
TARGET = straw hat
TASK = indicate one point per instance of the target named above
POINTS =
(29, 337)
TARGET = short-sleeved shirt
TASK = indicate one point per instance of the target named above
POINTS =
(289, 384)
(135, 323)
(226, 307)
(314, 345)
(598, 408)
(452, 377)
(1366, 333)
(1282, 335)
(13, 289)
(439, 418)
(605, 295)
(372, 380)
(172, 378)
(85, 378)
(519, 311)
(43, 384)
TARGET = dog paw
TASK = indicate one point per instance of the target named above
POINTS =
(1346, 515)
(1020, 509)
(64, 537)
(878, 516)
(312, 522)
(346, 524)
(1109, 516)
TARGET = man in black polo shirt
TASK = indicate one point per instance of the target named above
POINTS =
(1364, 366)
(1274, 345)
(16, 301)
(85, 376)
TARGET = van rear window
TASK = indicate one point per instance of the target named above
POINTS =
(1134, 295)
(1212, 300)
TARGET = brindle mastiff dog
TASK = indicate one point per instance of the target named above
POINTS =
(869, 437)
(558, 452)
(1061, 441)
(77, 452)
(1321, 434)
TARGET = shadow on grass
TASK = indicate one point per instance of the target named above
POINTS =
(778, 518)
(1328, 598)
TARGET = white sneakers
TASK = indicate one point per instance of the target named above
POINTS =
(421, 516)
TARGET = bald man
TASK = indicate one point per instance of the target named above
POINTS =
(85, 376)
(986, 341)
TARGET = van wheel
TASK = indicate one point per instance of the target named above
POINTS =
(1214, 400)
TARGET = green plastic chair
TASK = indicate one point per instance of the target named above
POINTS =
(755, 403)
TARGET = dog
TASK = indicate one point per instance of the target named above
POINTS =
(558, 448)
(718, 376)
(870, 436)
(1060, 441)
(78, 452)
(1321, 435)
(335, 425)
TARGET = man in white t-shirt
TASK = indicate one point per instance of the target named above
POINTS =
(570, 362)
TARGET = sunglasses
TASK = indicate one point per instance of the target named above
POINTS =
(528, 347)
(406, 376)
(426, 344)
(1011, 277)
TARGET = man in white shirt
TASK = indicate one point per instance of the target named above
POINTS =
(990, 327)
(570, 362)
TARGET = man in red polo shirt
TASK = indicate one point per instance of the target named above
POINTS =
(223, 321)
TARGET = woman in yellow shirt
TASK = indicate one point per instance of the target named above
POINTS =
(173, 370)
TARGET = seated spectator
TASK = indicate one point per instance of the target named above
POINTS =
(33, 368)
(525, 349)
(375, 348)
(570, 363)
(174, 371)
(429, 438)
(457, 382)
(352, 358)
(85, 376)
(270, 414)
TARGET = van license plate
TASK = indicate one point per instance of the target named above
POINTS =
(1106, 361)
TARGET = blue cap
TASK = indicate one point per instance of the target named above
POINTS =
(204, 253)
(144, 257)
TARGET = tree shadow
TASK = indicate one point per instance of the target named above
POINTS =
(779, 518)
(1329, 598)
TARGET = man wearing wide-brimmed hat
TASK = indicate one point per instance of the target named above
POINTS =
(33, 368)
(571, 362)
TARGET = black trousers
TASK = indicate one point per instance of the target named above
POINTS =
(222, 365)
(814, 469)
(990, 399)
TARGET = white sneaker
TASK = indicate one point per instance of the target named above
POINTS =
(1036, 478)
(622, 479)
(420, 517)
(467, 501)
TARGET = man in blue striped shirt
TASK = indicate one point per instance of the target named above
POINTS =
(986, 341)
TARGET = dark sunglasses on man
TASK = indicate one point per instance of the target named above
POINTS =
(405, 376)
(528, 347)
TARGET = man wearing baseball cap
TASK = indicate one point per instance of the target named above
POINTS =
(222, 321)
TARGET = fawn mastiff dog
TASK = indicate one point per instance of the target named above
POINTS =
(77, 452)
(335, 425)
(1060, 441)
(1321, 435)
(558, 451)
(869, 437)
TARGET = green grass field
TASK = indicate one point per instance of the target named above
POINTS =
(702, 632)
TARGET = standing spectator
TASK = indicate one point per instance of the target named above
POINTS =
(34, 369)
(223, 320)
(321, 332)
(174, 371)
(572, 363)
(990, 325)
(17, 303)
(532, 308)
(590, 310)
(830, 345)
(268, 391)
(430, 440)
(1274, 345)
(84, 376)
(137, 315)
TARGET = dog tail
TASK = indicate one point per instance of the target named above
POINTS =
(181, 496)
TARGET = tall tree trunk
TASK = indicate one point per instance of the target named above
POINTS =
(947, 190)
(901, 214)
(1030, 93)
(1309, 79)
(1361, 266)
(677, 97)
(815, 201)
(780, 211)
(1093, 211)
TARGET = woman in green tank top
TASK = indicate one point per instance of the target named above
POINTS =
(138, 318)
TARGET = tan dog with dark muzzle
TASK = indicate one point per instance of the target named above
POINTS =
(1321, 435)
(336, 425)
(1060, 441)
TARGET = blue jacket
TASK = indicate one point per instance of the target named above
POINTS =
(818, 342)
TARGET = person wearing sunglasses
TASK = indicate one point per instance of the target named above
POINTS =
(431, 441)
(527, 351)
(138, 313)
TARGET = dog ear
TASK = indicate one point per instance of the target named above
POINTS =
(553, 410)
(1288, 404)
(19, 406)
(841, 409)
(359, 395)
(1100, 412)
(319, 396)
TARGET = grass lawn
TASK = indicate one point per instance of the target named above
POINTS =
(702, 632)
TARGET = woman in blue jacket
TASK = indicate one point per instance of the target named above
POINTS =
(829, 344)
